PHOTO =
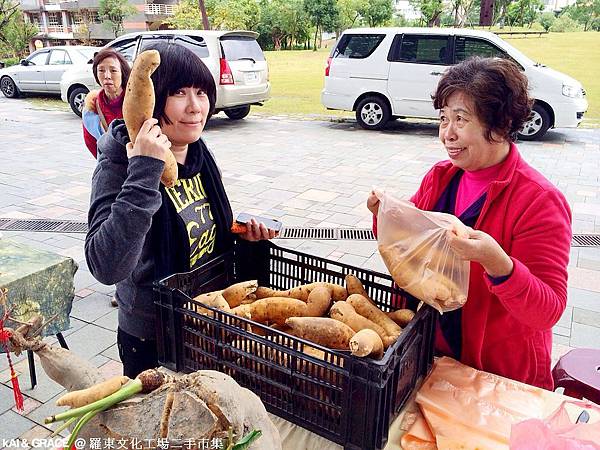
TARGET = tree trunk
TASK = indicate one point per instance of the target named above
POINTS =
(316, 33)
(205, 22)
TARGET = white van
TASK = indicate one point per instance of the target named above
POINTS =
(390, 73)
(235, 59)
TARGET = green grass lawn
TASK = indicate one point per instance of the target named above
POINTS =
(297, 76)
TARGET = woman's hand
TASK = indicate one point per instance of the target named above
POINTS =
(150, 142)
(373, 202)
(482, 248)
(257, 232)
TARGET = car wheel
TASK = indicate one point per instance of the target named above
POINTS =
(8, 87)
(77, 99)
(372, 113)
(537, 124)
(238, 113)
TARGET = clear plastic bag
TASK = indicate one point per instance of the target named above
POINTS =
(557, 431)
(414, 246)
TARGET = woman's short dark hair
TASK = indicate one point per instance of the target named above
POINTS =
(179, 68)
(112, 53)
(498, 89)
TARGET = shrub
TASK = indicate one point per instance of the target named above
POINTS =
(546, 20)
(565, 24)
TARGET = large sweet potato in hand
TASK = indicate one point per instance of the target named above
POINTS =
(138, 105)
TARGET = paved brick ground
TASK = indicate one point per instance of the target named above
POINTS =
(309, 173)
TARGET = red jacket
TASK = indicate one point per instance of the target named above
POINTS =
(507, 328)
(92, 128)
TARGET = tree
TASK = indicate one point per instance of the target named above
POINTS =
(586, 12)
(461, 10)
(524, 12)
(112, 13)
(349, 13)
(8, 10)
(546, 20)
(431, 10)
(377, 12)
(186, 16)
(15, 33)
(323, 15)
(234, 14)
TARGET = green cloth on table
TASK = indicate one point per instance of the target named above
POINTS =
(37, 281)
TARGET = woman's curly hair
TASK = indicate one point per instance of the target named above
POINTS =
(498, 89)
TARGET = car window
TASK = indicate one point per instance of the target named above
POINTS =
(38, 59)
(467, 47)
(88, 53)
(126, 47)
(59, 57)
(197, 44)
(357, 45)
(147, 41)
(241, 47)
(424, 49)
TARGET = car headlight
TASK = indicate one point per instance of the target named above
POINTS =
(569, 90)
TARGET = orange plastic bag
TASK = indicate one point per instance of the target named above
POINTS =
(414, 246)
(557, 431)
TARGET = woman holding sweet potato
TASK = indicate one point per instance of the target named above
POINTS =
(520, 225)
(141, 230)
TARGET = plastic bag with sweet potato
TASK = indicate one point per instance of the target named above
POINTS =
(413, 245)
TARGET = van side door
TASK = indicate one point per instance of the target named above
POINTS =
(417, 62)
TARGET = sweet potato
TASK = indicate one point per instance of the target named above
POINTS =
(366, 343)
(402, 316)
(345, 312)
(366, 309)
(355, 286)
(138, 105)
(238, 292)
(338, 293)
(83, 397)
(324, 331)
(319, 301)
(275, 309)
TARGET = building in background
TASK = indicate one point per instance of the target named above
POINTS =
(75, 22)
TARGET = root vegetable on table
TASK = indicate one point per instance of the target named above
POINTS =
(274, 309)
(205, 404)
(84, 397)
(238, 292)
(324, 331)
(355, 286)
(402, 316)
(371, 312)
(366, 343)
(302, 292)
(345, 312)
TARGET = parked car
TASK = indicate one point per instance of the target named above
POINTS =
(42, 70)
(388, 73)
(235, 59)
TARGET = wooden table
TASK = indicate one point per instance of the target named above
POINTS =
(37, 282)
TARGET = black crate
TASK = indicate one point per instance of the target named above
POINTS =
(348, 400)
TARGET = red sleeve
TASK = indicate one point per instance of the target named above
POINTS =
(536, 292)
(90, 142)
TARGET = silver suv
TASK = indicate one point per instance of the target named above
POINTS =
(235, 59)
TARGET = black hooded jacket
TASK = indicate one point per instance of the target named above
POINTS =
(134, 236)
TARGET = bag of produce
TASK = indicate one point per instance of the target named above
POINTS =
(414, 246)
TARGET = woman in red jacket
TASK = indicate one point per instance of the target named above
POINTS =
(104, 105)
(520, 225)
